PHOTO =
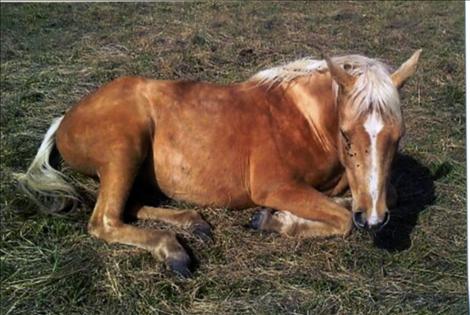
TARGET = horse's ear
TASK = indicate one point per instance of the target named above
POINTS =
(340, 75)
(406, 70)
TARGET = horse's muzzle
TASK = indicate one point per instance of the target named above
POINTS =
(361, 222)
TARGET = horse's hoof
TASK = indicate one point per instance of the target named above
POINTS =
(180, 266)
(258, 219)
(203, 231)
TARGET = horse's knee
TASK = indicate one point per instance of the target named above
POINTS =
(344, 225)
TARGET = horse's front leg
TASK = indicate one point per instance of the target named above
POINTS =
(303, 211)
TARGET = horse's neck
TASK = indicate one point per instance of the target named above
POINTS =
(315, 99)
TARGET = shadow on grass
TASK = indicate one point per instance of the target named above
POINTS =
(415, 187)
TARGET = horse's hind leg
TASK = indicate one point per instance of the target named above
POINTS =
(185, 218)
(107, 222)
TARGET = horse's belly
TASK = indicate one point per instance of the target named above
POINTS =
(199, 180)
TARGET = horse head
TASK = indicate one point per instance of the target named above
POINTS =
(370, 128)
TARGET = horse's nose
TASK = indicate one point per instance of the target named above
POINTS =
(358, 218)
(379, 225)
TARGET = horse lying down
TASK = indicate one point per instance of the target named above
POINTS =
(289, 139)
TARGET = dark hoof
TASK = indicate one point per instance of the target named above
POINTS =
(203, 231)
(180, 267)
(258, 219)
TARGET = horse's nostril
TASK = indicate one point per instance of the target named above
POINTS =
(358, 219)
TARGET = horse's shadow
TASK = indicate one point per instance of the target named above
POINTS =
(415, 187)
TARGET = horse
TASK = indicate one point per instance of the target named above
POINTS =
(290, 140)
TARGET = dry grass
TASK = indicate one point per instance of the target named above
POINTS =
(53, 54)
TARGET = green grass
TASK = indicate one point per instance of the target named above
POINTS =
(54, 54)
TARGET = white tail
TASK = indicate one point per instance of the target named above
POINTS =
(46, 186)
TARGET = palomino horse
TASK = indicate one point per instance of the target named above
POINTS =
(288, 140)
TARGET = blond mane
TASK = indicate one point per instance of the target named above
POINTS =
(374, 89)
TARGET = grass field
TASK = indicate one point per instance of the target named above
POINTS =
(54, 54)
